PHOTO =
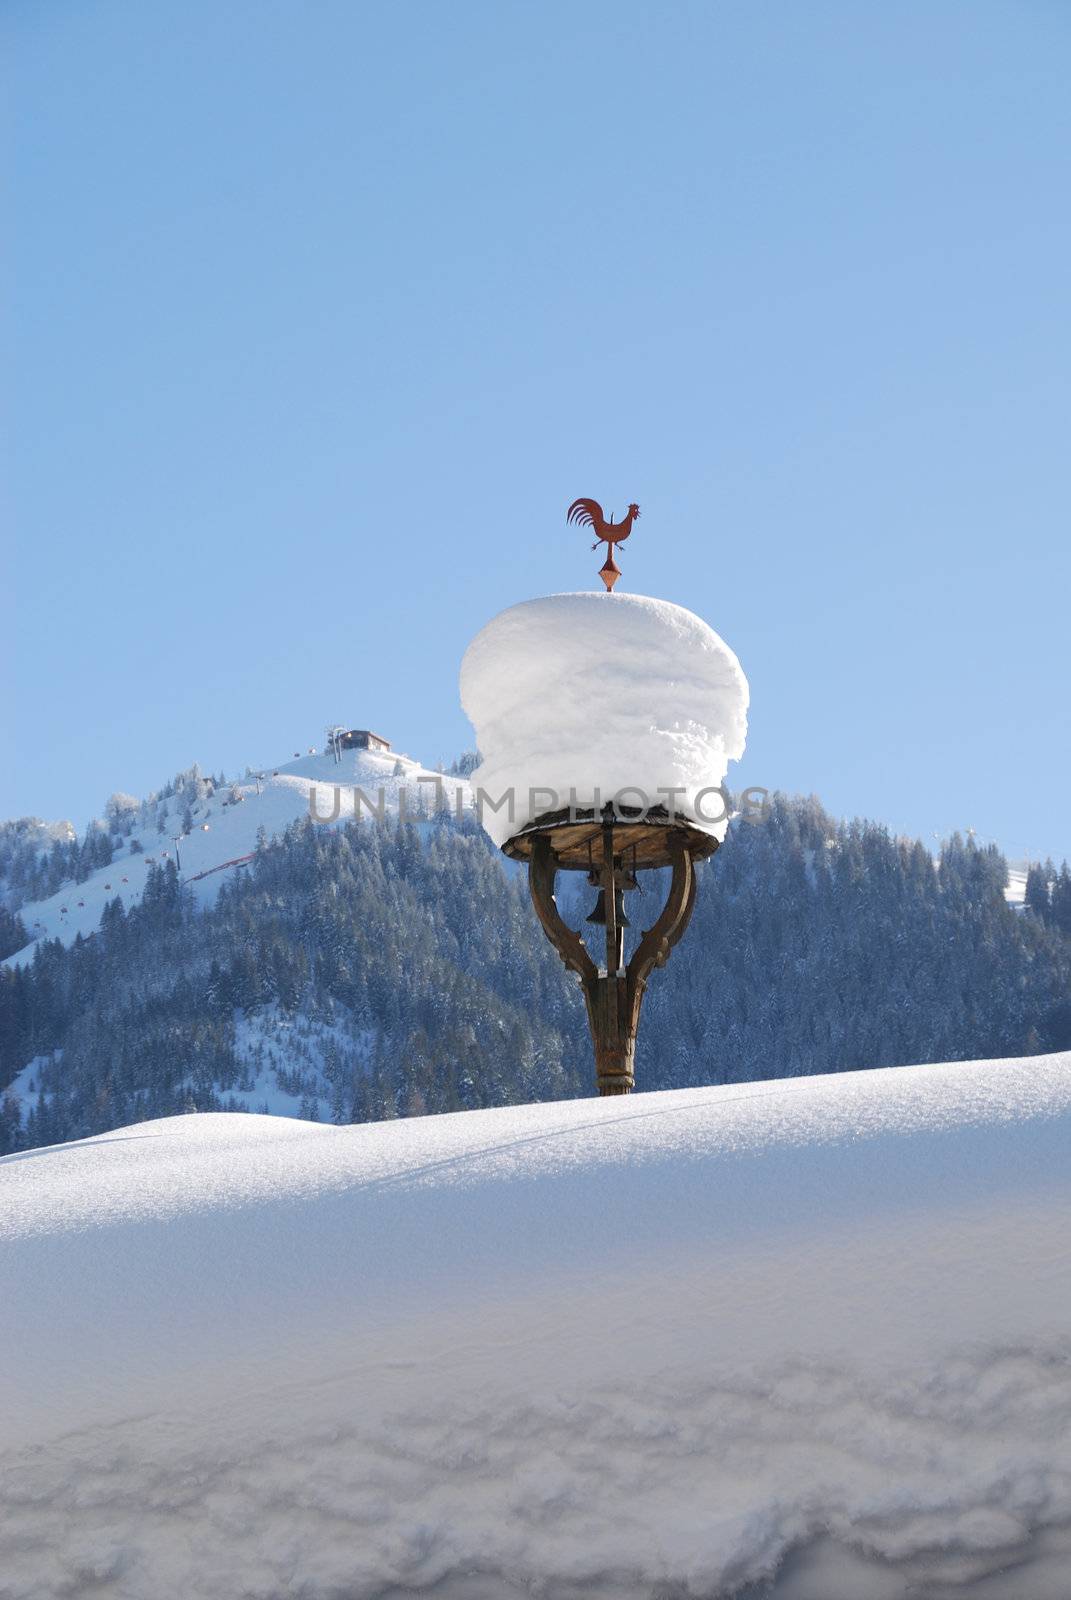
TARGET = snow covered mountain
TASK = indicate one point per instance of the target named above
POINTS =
(213, 831)
(804, 1339)
(365, 971)
(212, 828)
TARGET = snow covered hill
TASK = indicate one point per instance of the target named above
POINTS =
(808, 1338)
(225, 829)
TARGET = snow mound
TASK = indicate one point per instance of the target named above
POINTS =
(808, 1339)
(578, 693)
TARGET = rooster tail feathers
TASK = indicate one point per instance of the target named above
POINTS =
(586, 513)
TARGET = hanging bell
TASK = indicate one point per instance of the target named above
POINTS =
(598, 915)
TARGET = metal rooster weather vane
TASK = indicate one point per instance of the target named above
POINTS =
(588, 514)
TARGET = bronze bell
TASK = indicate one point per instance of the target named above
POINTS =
(598, 915)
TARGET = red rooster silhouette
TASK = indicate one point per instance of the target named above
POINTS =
(588, 514)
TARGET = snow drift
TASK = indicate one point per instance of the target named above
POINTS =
(578, 693)
(807, 1338)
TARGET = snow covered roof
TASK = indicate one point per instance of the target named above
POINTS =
(589, 695)
(679, 1344)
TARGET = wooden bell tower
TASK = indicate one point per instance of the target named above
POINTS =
(612, 849)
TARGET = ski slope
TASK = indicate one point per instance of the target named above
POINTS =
(224, 834)
(808, 1339)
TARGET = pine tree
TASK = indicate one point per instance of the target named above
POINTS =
(1061, 900)
(1036, 898)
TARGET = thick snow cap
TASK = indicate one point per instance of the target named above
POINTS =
(592, 695)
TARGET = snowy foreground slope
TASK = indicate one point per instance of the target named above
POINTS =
(807, 1338)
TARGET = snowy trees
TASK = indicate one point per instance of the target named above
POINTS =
(1061, 900)
(120, 811)
(1036, 898)
(13, 933)
(815, 947)
(1048, 896)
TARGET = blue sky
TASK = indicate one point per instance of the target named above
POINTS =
(319, 316)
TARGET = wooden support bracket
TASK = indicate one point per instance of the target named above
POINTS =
(613, 996)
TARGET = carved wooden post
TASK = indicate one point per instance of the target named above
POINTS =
(613, 994)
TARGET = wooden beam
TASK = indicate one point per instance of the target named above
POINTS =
(569, 945)
(654, 948)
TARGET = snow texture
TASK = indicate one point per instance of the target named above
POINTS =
(224, 833)
(578, 693)
(807, 1338)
